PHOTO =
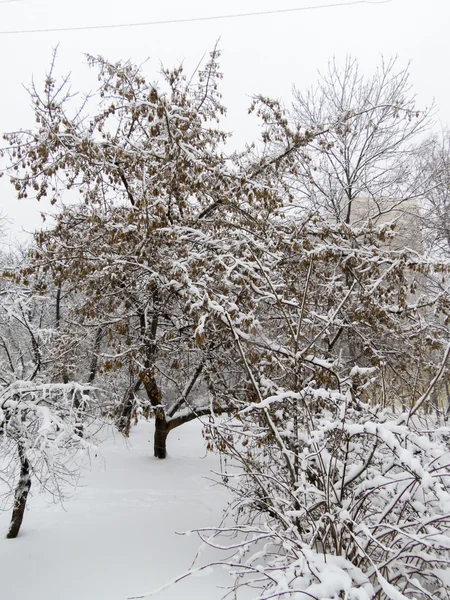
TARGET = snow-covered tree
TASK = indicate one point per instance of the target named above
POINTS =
(40, 421)
(149, 166)
(435, 207)
(339, 478)
(371, 131)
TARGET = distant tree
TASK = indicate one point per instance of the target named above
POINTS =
(434, 161)
(371, 128)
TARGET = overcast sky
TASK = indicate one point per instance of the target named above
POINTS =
(261, 54)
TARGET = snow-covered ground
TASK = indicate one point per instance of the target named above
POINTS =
(116, 536)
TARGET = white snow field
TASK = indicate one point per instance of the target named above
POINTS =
(115, 536)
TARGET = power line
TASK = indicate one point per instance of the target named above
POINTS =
(195, 19)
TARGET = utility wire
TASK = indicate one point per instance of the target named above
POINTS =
(195, 19)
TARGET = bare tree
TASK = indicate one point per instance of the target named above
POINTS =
(371, 129)
(40, 423)
(434, 161)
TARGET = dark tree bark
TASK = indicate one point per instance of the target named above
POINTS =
(65, 374)
(124, 421)
(162, 429)
(162, 426)
(21, 494)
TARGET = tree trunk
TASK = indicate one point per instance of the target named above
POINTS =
(447, 411)
(21, 494)
(161, 432)
(164, 426)
(435, 401)
(124, 421)
(126, 414)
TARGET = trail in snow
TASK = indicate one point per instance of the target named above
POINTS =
(115, 537)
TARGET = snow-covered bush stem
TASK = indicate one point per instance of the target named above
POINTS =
(21, 493)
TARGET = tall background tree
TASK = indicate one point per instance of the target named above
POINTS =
(373, 129)
(435, 162)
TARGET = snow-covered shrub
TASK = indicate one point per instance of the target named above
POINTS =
(340, 477)
(360, 510)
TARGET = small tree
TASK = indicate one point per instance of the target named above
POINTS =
(40, 423)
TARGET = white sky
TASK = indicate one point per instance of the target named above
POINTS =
(261, 54)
